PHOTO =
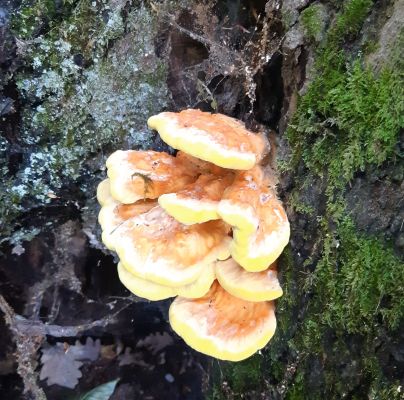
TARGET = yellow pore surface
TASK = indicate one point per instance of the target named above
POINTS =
(136, 175)
(156, 247)
(200, 167)
(154, 291)
(143, 288)
(197, 202)
(251, 286)
(223, 326)
(216, 138)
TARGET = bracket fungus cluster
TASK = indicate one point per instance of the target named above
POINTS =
(204, 226)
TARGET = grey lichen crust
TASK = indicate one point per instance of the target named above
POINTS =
(87, 85)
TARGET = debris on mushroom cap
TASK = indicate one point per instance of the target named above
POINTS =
(251, 286)
(136, 175)
(260, 225)
(198, 201)
(144, 288)
(104, 193)
(216, 138)
(112, 215)
(154, 291)
(223, 326)
(156, 247)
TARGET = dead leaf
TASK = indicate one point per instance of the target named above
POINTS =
(61, 363)
(155, 342)
(59, 367)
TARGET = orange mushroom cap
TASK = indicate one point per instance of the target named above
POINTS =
(154, 291)
(216, 138)
(223, 326)
(156, 247)
(112, 215)
(258, 250)
(136, 175)
(260, 226)
(144, 288)
(198, 201)
(250, 286)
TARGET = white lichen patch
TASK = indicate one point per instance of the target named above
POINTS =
(88, 85)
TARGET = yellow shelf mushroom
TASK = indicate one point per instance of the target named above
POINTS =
(250, 286)
(144, 288)
(104, 193)
(154, 291)
(197, 202)
(136, 175)
(216, 138)
(113, 213)
(156, 247)
(223, 326)
(260, 225)
(170, 219)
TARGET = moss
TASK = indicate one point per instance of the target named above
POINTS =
(354, 123)
(299, 205)
(361, 280)
(33, 16)
(298, 391)
(236, 379)
(354, 290)
(349, 116)
(350, 291)
(246, 375)
(312, 21)
(350, 21)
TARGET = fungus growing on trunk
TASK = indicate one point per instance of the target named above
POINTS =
(144, 288)
(156, 247)
(223, 326)
(216, 138)
(136, 175)
(260, 225)
(104, 193)
(250, 286)
(113, 213)
(153, 291)
(198, 201)
(175, 221)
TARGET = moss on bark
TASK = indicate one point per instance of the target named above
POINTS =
(343, 306)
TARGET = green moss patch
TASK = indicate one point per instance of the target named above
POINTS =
(351, 291)
(348, 117)
(312, 21)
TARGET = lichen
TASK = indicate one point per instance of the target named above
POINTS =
(90, 79)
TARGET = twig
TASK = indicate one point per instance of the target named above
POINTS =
(29, 336)
(38, 328)
(27, 345)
